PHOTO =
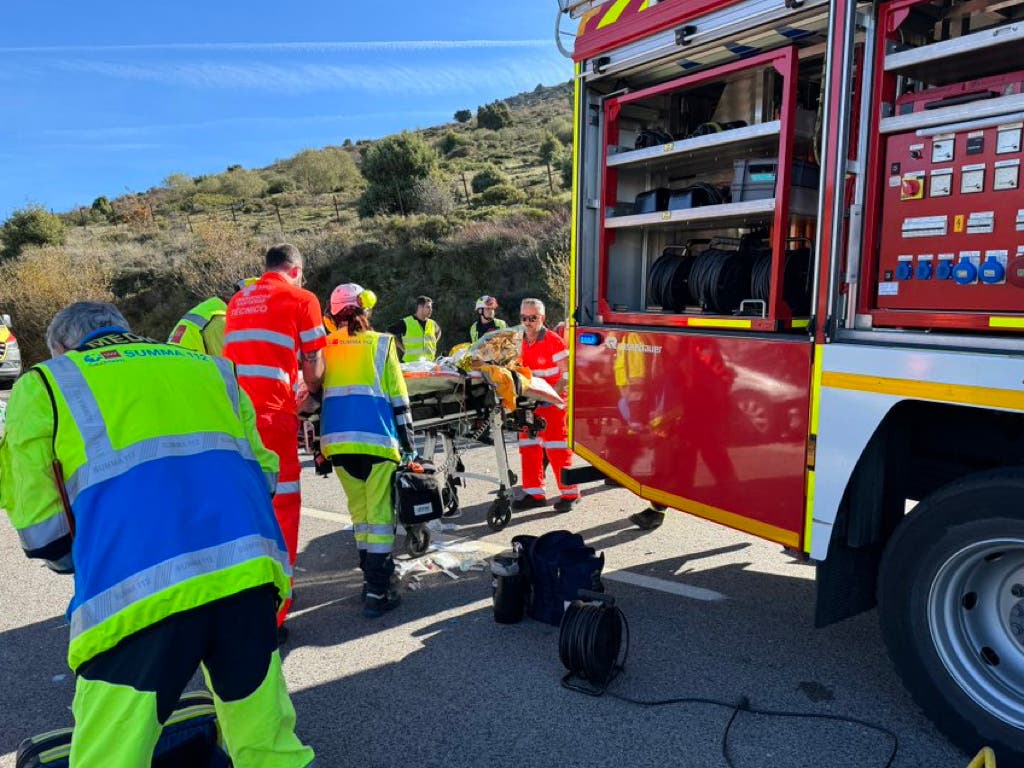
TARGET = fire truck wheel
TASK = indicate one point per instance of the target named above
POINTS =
(951, 606)
(417, 540)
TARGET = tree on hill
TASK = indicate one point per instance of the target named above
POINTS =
(33, 225)
(463, 115)
(495, 115)
(242, 184)
(392, 166)
(102, 206)
(325, 170)
(550, 151)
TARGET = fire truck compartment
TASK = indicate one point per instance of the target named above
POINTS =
(715, 425)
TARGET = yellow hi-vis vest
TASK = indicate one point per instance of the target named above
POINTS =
(363, 384)
(168, 482)
(201, 329)
(474, 332)
(418, 342)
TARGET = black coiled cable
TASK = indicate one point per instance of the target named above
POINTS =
(593, 642)
(720, 279)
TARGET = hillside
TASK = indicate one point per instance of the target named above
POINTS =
(486, 215)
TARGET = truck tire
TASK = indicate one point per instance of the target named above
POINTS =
(951, 606)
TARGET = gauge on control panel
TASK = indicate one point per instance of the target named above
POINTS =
(972, 179)
(1008, 138)
(941, 183)
(942, 148)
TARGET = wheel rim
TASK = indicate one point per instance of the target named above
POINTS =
(976, 619)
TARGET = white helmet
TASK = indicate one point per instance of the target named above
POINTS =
(486, 301)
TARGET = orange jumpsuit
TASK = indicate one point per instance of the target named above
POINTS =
(268, 325)
(547, 358)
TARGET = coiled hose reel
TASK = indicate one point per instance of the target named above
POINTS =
(593, 642)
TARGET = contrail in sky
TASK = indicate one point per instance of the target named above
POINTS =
(305, 47)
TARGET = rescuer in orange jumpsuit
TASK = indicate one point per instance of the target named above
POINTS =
(269, 325)
(546, 355)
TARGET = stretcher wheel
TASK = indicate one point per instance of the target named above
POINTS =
(450, 498)
(499, 515)
(417, 540)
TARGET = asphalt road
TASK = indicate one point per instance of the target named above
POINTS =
(713, 613)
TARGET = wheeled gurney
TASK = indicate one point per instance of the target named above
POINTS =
(449, 407)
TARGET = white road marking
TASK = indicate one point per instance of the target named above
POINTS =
(625, 577)
(664, 585)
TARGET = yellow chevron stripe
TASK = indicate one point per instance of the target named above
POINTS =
(644, 5)
(739, 522)
(1006, 322)
(987, 397)
(613, 13)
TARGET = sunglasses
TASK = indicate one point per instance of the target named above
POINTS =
(529, 318)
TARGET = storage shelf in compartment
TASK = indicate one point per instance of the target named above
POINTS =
(761, 137)
(963, 58)
(729, 214)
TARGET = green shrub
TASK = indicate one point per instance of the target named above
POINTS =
(463, 115)
(494, 115)
(502, 194)
(325, 170)
(487, 178)
(33, 225)
(392, 166)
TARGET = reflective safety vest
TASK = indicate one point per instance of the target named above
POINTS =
(363, 384)
(474, 330)
(419, 342)
(169, 486)
(201, 329)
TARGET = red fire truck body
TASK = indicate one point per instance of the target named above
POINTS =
(798, 305)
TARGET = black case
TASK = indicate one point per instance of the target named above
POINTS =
(189, 739)
(652, 200)
(417, 496)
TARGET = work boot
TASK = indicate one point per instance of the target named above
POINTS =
(528, 502)
(566, 505)
(393, 585)
(649, 519)
(376, 604)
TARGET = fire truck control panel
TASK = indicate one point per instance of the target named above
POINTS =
(951, 219)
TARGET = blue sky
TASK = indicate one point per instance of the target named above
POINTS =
(104, 98)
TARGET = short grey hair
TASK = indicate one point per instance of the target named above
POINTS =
(75, 322)
(534, 303)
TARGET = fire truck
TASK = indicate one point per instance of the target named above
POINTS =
(798, 305)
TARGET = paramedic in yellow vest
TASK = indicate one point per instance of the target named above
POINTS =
(365, 431)
(417, 335)
(202, 328)
(191, 577)
(486, 306)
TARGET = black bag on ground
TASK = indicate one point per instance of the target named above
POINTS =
(557, 565)
(189, 740)
(417, 495)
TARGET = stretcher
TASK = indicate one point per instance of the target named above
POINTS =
(451, 407)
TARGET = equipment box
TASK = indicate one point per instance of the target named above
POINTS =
(755, 180)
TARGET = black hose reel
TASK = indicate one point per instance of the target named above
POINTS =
(593, 642)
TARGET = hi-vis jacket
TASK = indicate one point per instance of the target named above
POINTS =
(201, 329)
(479, 328)
(419, 342)
(366, 403)
(168, 482)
